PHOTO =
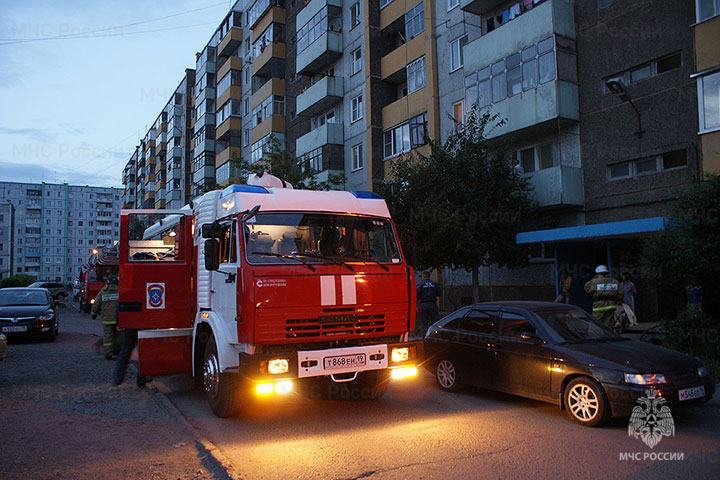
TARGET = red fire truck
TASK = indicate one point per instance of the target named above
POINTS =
(257, 290)
(102, 262)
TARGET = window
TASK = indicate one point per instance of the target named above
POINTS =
(230, 78)
(246, 137)
(355, 15)
(312, 160)
(640, 73)
(620, 170)
(357, 156)
(512, 325)
(647, 70)
(396, 141)
(356, 107)
(674, 159)
(545, 155)
(705, 9)
(709, 101)
(262, 147)
(648, 165)
(452, 4)
(356, 61)
(385, 3)
(228, 243)
(671, 62)
(537, 157)
(272, 105)
(527, 160)
(479, 322)
(416, 75)
(415, 21)
(456, 53)
(418, 130)
(458, 116)
(317, 26)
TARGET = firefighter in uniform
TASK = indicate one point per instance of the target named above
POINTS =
(607, 294)
(106, 304)
(427, 294)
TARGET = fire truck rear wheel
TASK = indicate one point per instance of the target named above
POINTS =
(221, 389)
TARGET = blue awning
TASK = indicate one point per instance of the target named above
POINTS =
(627, 228)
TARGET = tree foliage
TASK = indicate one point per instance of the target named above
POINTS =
(463, 202)
(281, 163)
(18, 280)
(689, 251)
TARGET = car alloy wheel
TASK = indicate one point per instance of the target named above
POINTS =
(446, 375)
(585, 402)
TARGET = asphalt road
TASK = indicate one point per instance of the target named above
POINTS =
(418, 431)
(61, 418)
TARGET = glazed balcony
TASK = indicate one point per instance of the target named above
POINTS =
(320, 96)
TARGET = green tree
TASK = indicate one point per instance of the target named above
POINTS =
(18, 280)
(689, 251)
(463, 202)
(281, 163)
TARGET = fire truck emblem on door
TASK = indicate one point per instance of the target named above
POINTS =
(155, 296)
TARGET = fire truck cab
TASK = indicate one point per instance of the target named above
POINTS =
(257, 290)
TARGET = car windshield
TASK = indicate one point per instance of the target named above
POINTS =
(35, 285)
(272, 238)
(22, 297)
(576, 326)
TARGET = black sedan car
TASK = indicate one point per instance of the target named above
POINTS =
(28, 312)
(559, 354)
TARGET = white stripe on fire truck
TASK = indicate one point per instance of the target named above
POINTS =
(348, 290)
(327, 290)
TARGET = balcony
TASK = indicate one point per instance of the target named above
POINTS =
(206, 172)
(227, 155)
(207, 119)
(480, 7)
(262, 65)
(175, 174)
(393, 12)
(275, 15)
(328, 134)
(230, 124)
(320, 96)
(206, 145)
(272, 124)
(274, 86)
(230, 42)
(392, 65)
(321, 53)
(232, 63)
(557, 186)
(548, 104)
(232, 92)
(149, 195)
(205, 94)
(175, 152)
(406, 107)
(173, 195)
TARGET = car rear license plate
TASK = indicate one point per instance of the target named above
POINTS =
(344, 361)
(18, 328)
(691, 393)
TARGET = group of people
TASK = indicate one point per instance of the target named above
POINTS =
(613, 300)
(107, 306)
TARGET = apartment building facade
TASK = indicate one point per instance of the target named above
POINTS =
(706, 32)
(56, 226)
(7, 239)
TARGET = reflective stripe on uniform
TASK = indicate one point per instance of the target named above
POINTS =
(602, 309)
(110, 296)
(108, 344)
(109, 323)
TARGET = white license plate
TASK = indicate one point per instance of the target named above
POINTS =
(19, 328)
(344, 361)
(690, 393)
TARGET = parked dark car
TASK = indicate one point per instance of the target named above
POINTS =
(58, 291)
(3, 346)
(559, 354)
(28, 312)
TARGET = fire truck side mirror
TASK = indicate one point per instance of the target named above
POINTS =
(210, 230)
(212, 254)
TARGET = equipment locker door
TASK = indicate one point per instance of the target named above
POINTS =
(156, 295)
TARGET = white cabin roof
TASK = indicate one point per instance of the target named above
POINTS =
(238, 198)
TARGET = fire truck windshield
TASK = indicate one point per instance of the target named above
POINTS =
(274, 238)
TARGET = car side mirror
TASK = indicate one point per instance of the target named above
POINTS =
(212, 254)
(531, 337)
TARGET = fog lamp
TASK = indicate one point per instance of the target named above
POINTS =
(403, 372)
(263, 388)
(92, 300)
(283, 387)
(278, 365)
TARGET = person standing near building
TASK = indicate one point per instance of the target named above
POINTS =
(427, 294)
(607, 294)
(629, 291)
(106, 304)
(564, 284)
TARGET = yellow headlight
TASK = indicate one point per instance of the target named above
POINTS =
(278, 365)
(92, 300)
(400, 354)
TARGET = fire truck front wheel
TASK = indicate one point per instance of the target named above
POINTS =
(221, 389)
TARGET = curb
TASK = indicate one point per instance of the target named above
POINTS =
(206, 449)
